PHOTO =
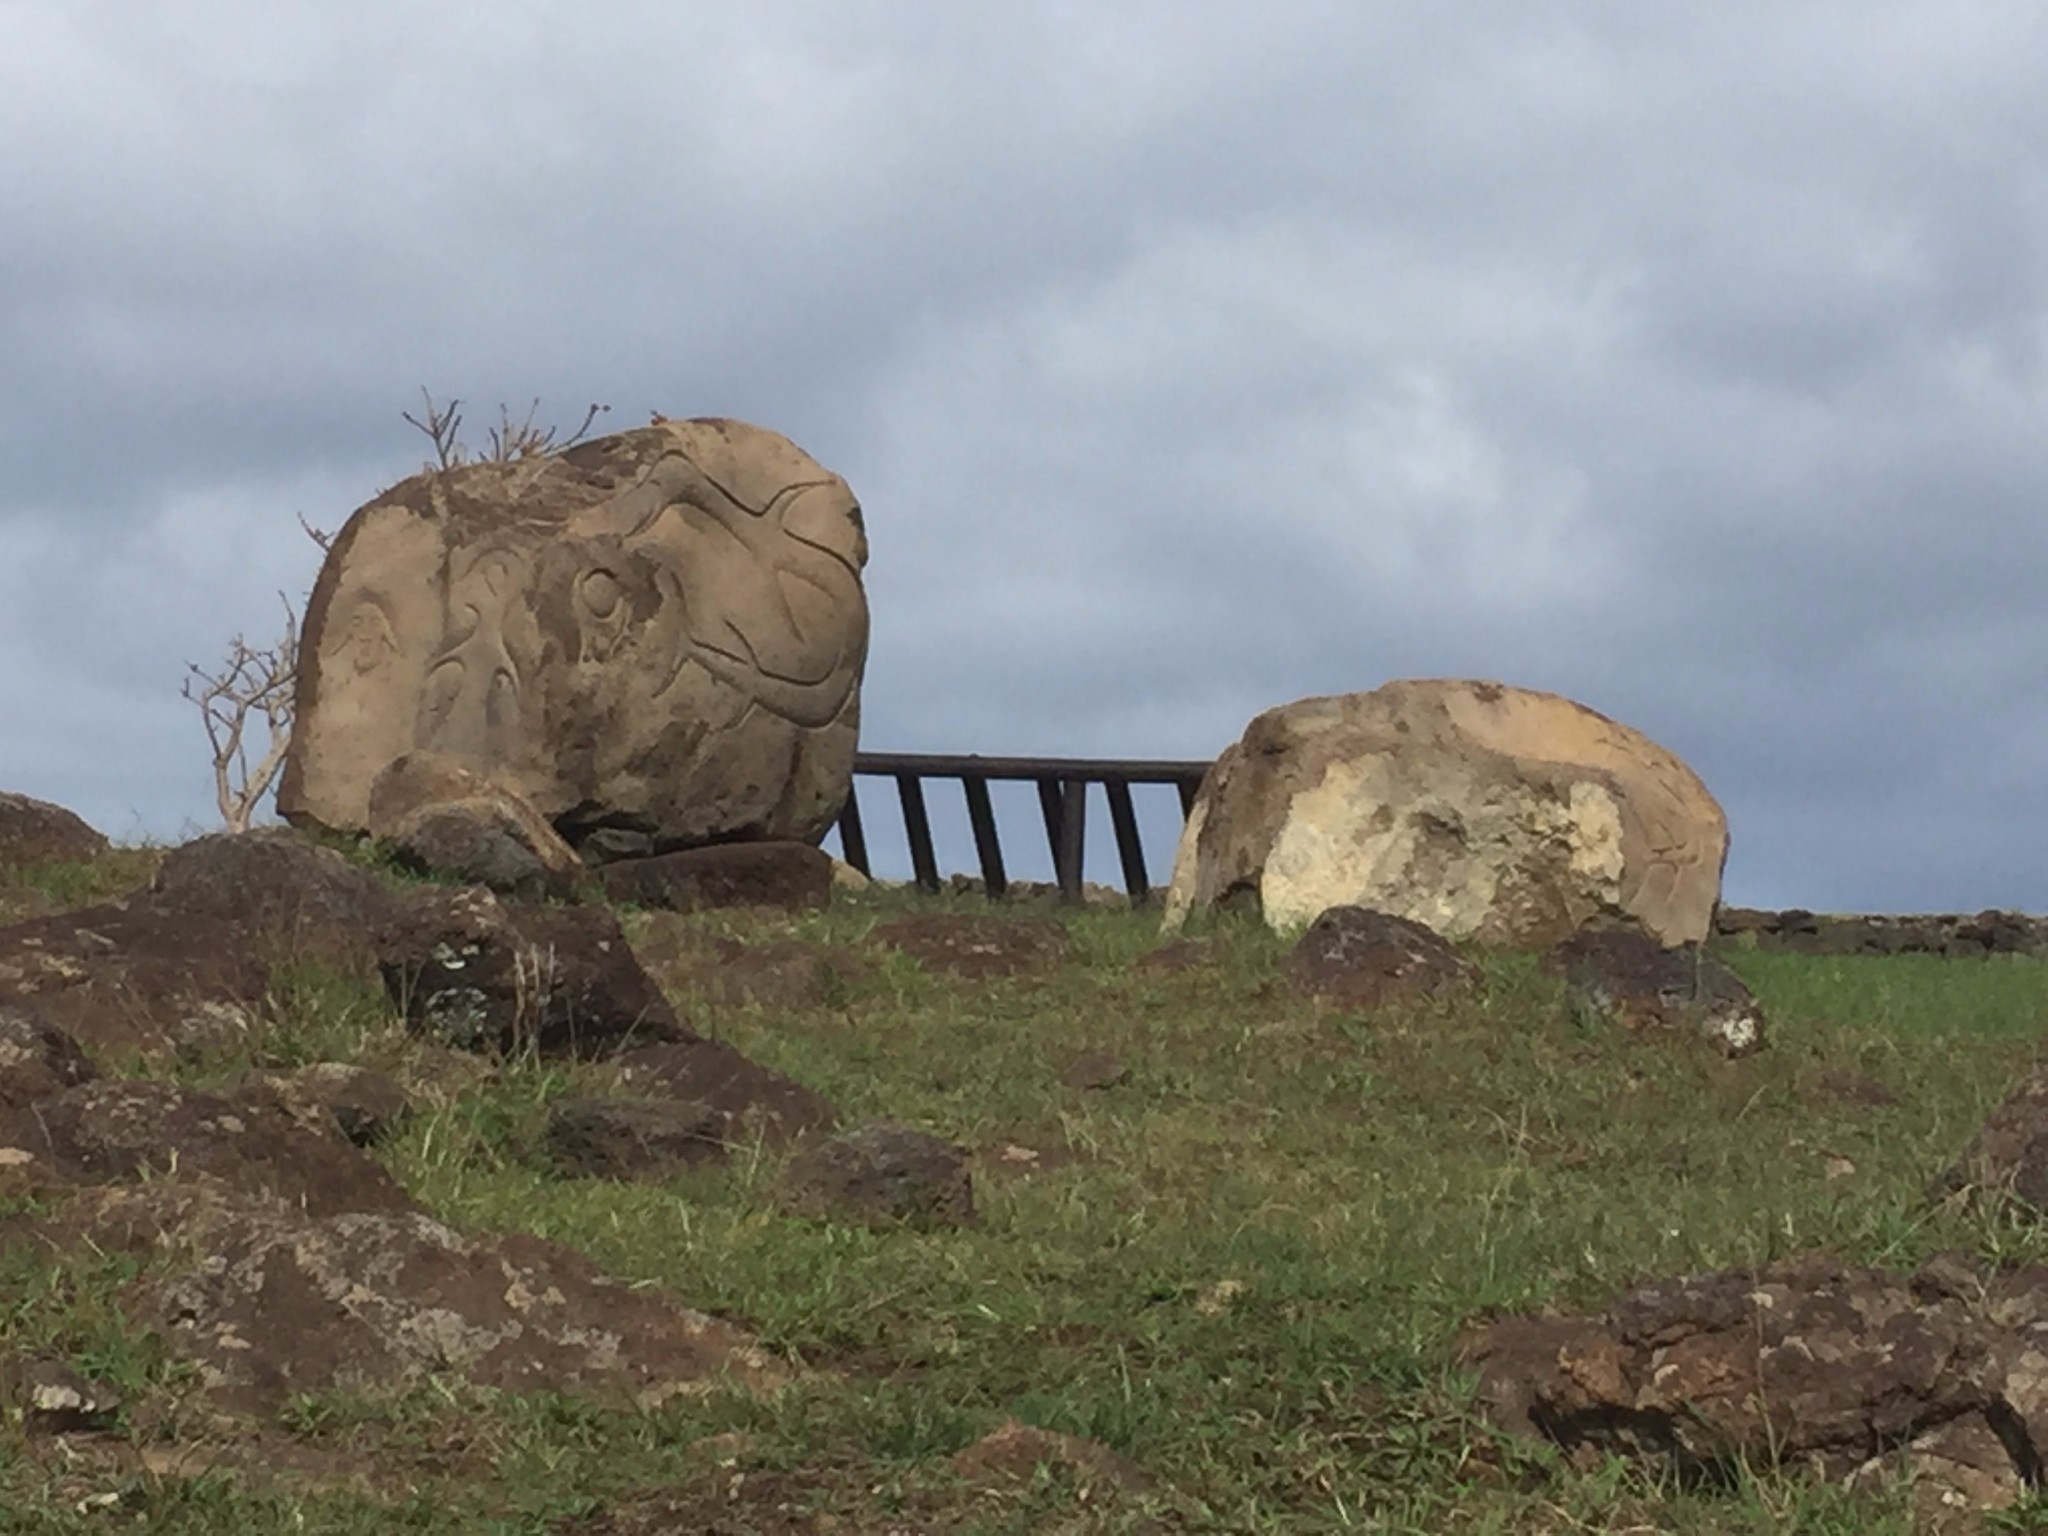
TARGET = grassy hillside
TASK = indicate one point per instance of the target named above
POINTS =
(1241, 1268)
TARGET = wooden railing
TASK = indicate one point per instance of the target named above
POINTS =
(1062, 799)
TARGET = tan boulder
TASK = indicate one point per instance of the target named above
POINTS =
(1483, 811)
(661, 631)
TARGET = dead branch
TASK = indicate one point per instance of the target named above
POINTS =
(254, 682)
(443, 427)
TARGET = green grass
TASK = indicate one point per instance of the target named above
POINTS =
(1242, 1269)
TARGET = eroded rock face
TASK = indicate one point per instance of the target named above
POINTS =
(1485, 812)
(37, 1059)
(661, 632)
(444, 818)
(750, 1100)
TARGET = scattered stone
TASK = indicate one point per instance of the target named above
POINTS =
(471, 971)
(54, 1399)
(1096, 1069)
(37, 1059)
(37, 832)
(846, 878)
(1623, 976)
(1809, 1362)
(1355, 958)
(283, 1303)
(750, 1100)
(881, 1175)
(1014, 1451)
(111, 1132)
(360, 1104)
(790, 877)
(443, 817)
(633, 1138)
(974, 947)
(278, 884)
(1490, 813)
(2008, 1157)
(662, 630)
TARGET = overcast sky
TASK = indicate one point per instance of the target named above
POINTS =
(1686, 359)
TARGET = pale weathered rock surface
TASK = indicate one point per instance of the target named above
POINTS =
(1483, 811)
(661, 631)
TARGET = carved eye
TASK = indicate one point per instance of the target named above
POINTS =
(600, 593)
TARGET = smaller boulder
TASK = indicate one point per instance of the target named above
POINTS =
(273, 882)
(884, 1175)
(37, 832)
(1624, 976)
(790, 877)
(633, 1138)
(1354, 957)
(1096, 1069)
(750, 1099)
(37, 1059)
(442, 817)
(1014, 1452)
(471, 971)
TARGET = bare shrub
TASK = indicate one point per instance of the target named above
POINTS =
(264, 682)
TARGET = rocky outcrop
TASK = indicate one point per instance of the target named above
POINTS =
(660, 632)
(1485, 812)
(444, 818)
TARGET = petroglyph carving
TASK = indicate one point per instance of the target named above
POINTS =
(662, 630)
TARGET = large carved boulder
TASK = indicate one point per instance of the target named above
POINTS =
(1485, 812)
(659, 633)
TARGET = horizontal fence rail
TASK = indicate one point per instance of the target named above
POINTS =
(1062, 799)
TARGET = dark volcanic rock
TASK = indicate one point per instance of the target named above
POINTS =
(283, 1303)
(633, 1138)
(1948, 933)
(472, 841)
(278, 884)
(881, 1175)
(1809, 1362)
(37, 832)
(750, 1099)
(974, 947)
(2008, 1157)
(111, 1132)
(54, 1399)
(127, 978)
(1353, 957)
(793, 877)
(474, 972)
(1624, 976)
(37, 1059)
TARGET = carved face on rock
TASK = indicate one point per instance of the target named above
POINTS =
(664, 629)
